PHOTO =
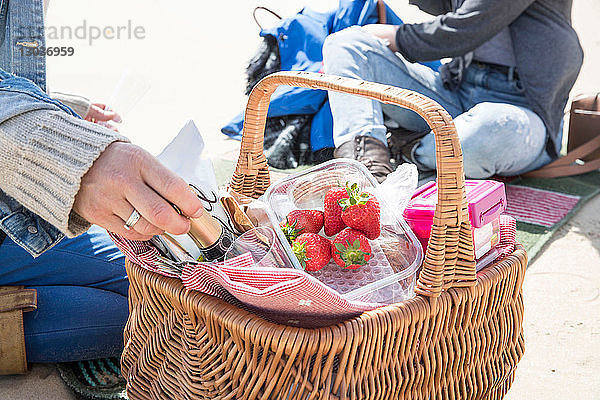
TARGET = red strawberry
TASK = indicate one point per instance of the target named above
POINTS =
(313, 251)
(361, 211)
(351, 249)
(333, 210)
(302, 221)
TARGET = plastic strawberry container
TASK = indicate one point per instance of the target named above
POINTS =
(391, 273)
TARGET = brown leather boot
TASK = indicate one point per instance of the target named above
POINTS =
(370, 152)
(401, 143)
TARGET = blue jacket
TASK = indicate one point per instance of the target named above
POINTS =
(22, 89)
(300, 40)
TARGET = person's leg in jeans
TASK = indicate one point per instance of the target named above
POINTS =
(355, 53)
(82, 297)
(358, 129)
(496, 138)
(498, 133)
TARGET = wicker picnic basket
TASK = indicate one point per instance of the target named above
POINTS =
(459, 338)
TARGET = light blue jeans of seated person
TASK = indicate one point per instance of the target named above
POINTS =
(499, 134)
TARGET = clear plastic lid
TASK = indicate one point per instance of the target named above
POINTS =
(390, 274)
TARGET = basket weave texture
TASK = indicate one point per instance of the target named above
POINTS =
(460, 338)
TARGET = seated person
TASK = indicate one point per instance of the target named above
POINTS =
(74, 279)
(58, 175)
(514, 63)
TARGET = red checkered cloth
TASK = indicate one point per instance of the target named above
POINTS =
(282, 295)
(286, 295)
(141, 253)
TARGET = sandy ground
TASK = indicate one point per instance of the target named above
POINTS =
(190, 66)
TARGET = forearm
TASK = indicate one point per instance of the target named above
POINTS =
(457, 33)
(43, 156)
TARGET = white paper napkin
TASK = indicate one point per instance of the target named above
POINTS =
(184, 157)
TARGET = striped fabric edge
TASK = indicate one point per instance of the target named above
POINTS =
(538, 206)
(508, 233)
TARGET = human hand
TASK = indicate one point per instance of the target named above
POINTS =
(101, 114)
(384, 32)
(125, 177)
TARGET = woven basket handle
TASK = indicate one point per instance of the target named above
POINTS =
(449, 260)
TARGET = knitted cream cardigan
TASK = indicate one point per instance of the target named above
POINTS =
(43, 156)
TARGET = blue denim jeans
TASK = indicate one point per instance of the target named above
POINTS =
(82, 297)
(499, 134)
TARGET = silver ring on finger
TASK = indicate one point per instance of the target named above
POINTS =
(131, 221)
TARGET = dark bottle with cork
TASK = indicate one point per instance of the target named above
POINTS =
(211, 237)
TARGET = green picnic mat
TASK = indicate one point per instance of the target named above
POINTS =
(533, 237)
(99, 379)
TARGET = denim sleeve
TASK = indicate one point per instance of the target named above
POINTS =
(19, 95)
(457, 33)
(25, 228)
